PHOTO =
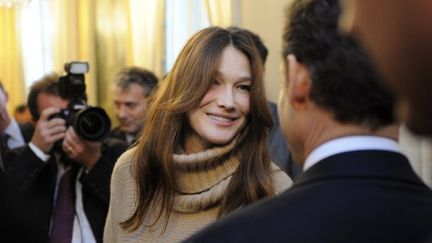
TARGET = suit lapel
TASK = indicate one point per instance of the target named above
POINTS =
(27, 130)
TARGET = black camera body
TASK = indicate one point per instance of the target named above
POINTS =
(90, 123)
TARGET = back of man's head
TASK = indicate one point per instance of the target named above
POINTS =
(47, 84)
(343, 79)
(135, 75)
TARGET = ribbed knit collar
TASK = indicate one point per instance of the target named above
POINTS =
(203, 177)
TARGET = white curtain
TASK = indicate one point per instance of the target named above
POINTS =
(183, 19)
(10, 57)
(147, 34)
(110, 35)
(220, 12)
(73, 38)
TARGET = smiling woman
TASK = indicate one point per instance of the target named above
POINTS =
(224, 108)
(203, 152)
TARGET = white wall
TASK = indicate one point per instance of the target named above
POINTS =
(266, 18)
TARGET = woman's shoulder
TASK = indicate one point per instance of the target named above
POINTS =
(122, 179)
(124, 162)
(281, 181)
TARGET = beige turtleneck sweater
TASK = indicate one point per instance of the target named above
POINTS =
(202, 179)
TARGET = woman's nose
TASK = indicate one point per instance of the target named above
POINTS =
(226, 98)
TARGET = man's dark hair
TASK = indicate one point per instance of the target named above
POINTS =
(47, 84)
(135, 75)
(344, 80)
(259, 44)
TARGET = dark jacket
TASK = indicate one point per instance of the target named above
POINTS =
(118, 135)
(34, 185)
(27, 130)
(360, 196)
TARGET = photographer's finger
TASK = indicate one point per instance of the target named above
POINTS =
(72, 134)
(55, 137)
(54, 129)
(66, 148)
(48, 113)
(56, 122)
(69, 136)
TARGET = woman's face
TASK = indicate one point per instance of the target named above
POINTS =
(224, 108)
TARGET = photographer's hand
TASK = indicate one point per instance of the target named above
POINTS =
(80, 150)
(48, 131)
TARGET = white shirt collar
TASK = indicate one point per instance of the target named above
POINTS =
(349, 143)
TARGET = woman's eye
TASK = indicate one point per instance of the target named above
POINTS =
(245, 87)
(215, 82)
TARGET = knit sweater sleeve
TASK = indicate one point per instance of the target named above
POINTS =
(122, 199)
(281, 181)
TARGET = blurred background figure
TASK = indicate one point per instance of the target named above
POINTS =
(132, 88)
(398, 36)
(22, 114)
(15, 134)
(4, 148)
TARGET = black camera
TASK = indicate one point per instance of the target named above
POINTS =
(90, 123)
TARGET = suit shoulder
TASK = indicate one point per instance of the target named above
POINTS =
(124, 162)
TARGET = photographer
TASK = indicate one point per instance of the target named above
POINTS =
(65, 185)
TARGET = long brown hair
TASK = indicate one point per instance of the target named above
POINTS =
(181, 91)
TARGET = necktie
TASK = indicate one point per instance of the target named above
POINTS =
(1, 162)
(63, 215)
(7, 139)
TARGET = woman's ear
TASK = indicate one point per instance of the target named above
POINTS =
(298, 82)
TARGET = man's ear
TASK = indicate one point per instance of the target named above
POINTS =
(299, 82)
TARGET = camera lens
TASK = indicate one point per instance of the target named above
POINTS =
(92, 124)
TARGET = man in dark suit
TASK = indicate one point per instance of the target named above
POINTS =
(337, 119)
(16, 134)
(132, 87)
(6, 155)
(62, 187)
